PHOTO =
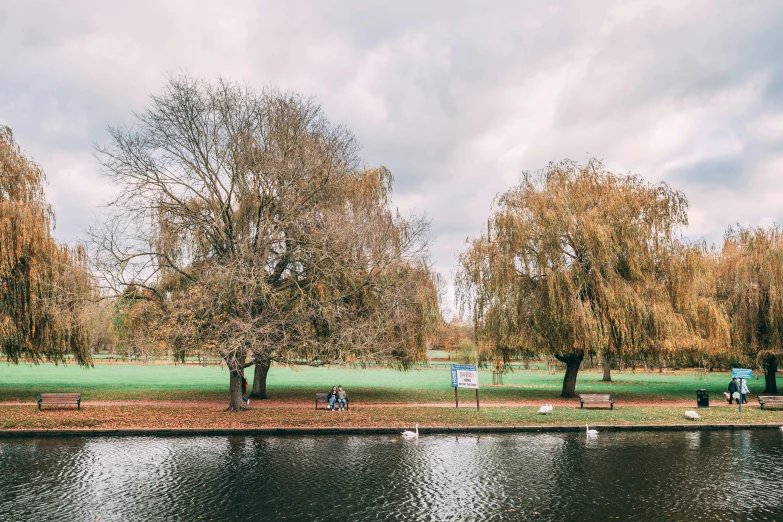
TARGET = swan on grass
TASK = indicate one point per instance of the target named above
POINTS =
(589, 431)
(546, 408)
(411, 434)
(692, 415)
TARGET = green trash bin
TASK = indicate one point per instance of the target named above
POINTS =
(702, 398)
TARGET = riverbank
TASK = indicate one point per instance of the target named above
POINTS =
(360, 417)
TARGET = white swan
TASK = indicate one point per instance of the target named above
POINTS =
(692, 415)
(589, 431)
(546, 408)
(411, 434)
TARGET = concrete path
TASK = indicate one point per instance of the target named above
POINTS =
(273, 404)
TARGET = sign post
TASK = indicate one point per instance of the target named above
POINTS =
(741, 374)
(464, 376)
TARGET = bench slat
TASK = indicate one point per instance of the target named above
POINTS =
(60, 398)
(595, 398)
(772, 400)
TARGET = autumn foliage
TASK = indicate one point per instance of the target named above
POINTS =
(43, 285)
(577, 260)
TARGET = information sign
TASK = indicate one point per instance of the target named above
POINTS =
(464, 376)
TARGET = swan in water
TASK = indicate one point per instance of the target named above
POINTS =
(589, 431)
(692, 415)
(411, 434)
(546, 408)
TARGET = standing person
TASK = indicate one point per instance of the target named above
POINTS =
(342, 398)
(244, 390)
(733, 391)
(745, 391)
(332, 397)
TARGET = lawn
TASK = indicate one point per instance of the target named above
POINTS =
(207, 383)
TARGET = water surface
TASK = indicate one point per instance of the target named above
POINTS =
(719, 475)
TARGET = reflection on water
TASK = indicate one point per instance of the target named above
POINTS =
(684, 476)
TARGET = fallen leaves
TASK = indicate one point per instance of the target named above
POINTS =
(156, 417)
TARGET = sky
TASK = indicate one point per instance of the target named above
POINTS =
(457, 99)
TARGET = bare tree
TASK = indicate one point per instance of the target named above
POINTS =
(250, 222)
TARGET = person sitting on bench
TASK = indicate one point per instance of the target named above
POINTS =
(332, 397)
(342, 398)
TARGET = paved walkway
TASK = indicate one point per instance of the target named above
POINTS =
(273, 404)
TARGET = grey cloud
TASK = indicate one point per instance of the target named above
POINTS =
(456, 98)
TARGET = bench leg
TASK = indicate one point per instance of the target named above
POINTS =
(611, 406)
(79, 405)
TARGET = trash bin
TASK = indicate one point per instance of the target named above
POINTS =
(702, 398)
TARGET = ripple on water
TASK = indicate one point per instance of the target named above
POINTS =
(630, 475)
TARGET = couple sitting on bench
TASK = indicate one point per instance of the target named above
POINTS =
(339, 396)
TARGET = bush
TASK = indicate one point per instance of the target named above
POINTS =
(466, 352)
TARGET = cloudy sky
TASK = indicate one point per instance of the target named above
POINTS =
(456, 98)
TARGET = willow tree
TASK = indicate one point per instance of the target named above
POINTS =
(250, 222)
(43, 285)
(579, 260)
(751, 285)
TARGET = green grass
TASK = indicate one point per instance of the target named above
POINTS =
(192, 382)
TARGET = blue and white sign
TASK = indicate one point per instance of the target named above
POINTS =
(741, 373)
(464, 376)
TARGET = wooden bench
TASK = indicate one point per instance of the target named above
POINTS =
(60, 398)
(772, 400)
(321, 397)
(596, 399)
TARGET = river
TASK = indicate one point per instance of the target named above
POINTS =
(687, 476)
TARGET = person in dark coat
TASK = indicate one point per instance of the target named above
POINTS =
(733, 388)
(332, 397)
(244, 389)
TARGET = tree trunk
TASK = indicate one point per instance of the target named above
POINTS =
(572, 363)
(607, 369)
(259, 379)
(770, 371)
(235, 363)
(235, 391)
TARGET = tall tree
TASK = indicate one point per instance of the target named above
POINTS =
(250, 222)
(579, 260)
(751, 285)
(43, 285)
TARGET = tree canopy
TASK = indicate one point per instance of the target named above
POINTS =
(751, 286)
(43, 285)
(250, 223)
(579, 260)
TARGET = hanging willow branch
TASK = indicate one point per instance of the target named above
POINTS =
(43, 285)
(750, 275)
(578, 260)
